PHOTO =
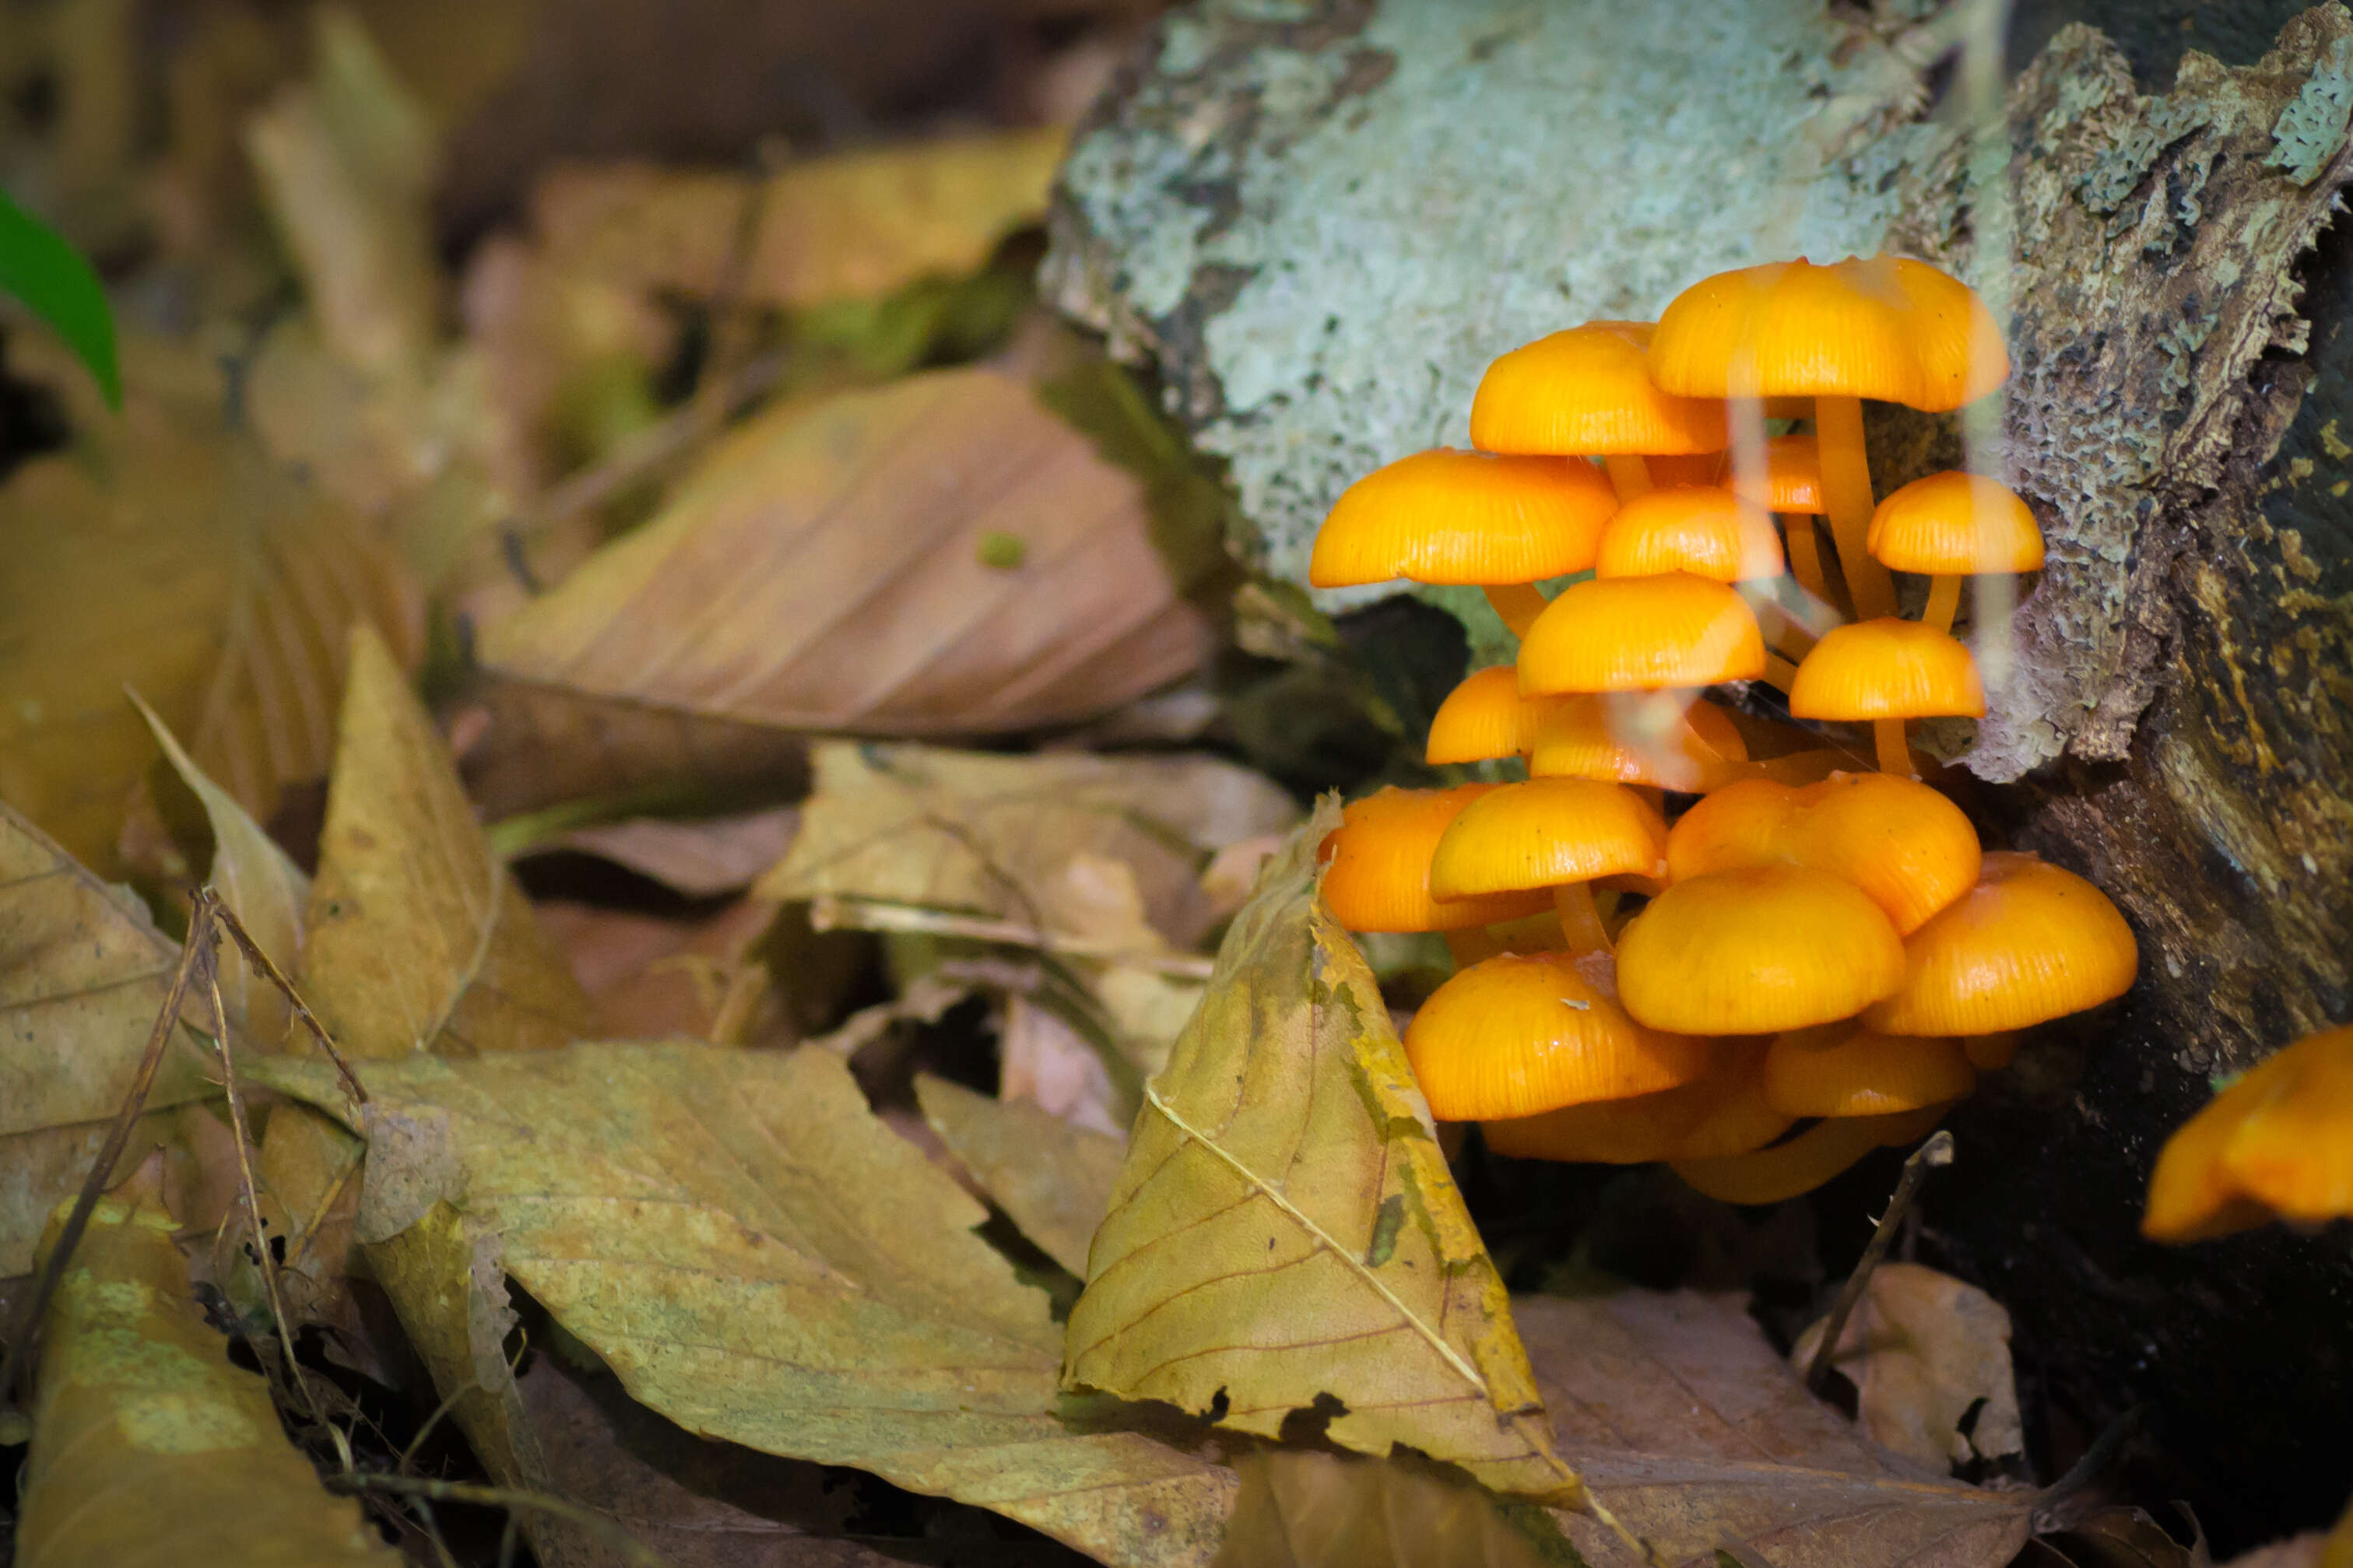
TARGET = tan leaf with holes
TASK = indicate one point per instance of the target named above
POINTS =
(1285, 1232)
(421, 940)
(822, 569)
(1927, 1353)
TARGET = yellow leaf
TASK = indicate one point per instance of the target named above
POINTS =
(1308, 1509)
(762, 1260)
(149, 1448)
(844, 227)
(83, 973)
(262, 888)
(421, 940)
(1285, 1230)
(1924, 1350)
(166, 555)
(819, 571)
(1053, 1177)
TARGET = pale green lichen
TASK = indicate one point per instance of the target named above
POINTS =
(2312, 128)
(167, 1399)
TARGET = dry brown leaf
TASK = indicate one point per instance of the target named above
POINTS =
(83, 973)
(822, 569)
(1096, 853)
(762, 1260)
(1285, 1231)
(1307, 1508)
(150, 1450)
(850, 226)
(700, 859)
(650, 978)
(166, 555)
(421, 940)
(1923, 1351)
(1041, 1061)
(1053, 1178)
(1684, 1419)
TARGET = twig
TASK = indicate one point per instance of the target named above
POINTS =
(259, 962)
(499, 1497)
(1936, 1151)
(831, 911)
(109, 1153)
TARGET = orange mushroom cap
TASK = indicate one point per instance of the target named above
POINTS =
(1465, 518)
(1722, 1111)
(1756, 951)
(1740, 1117)
(1546, 832)
(1845, 1071)
(1486, 717)
(1792, 480)
(1598, 735)
(1885, 328)
(1637, 633)
(2278, 1143)
(1887, 668)
(1699, 528)
(2029, 942)
(1957, 524)
(1516, 1036)
(1804, 1162)
(1587, 390)
(1377, 875)
(1910, 848)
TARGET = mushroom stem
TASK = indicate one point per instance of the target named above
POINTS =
(1630, 476)
(1519, 605)
(1805, 554)
(1779, 672)
(1846, 497)
(1581, 919)
(1785, 1170)
(1944, 600)
(1895, 755)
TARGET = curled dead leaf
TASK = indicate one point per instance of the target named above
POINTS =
(1930, 1357)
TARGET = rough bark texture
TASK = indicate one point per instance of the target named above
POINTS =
(1321, 226)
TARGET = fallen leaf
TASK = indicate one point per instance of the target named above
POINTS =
(849, 226)
(1043, 1061)
(539, 746)
(819, 569)
(307, 1173)
(149, 1447)
(1926, 1351)
(700, 860)
(1092, 853)
(648, 976)
(1053, 1177)
(421, 940)
(762, 1260)
(165, 554)
(1307, 1508)
(83, 973)
(1285, 1232)
(259, 884)
(1681, 1417)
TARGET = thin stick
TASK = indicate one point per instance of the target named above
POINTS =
(259, 962)
(109, 1153)
(830, 912)
(1936, 1151)
(499, 1497)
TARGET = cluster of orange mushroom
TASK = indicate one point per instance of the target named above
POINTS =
(1803, 944)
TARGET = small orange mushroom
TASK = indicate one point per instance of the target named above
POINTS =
(1723, 1111)
(1841, 1070)
(1589, 391)
(1486, 717)
(2277, 1145)
(1377, 872)
(2029, 942)
(1516, 1036)
(1445, 516)
(1558, 833)
(1638, 634)
(1756, 951)
(1955, 526)
(1889, 672)
(1636, 740)
(1698, 529)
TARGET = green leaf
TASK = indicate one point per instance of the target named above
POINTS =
(50, 276)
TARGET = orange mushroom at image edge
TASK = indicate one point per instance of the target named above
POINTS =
(2277, 1145)
(1754, 969)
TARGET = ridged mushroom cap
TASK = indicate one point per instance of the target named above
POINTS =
(1595, 735)
(1448, 516)
(1640, 634)
(1955, 524)
(1486, 717)
(1887, 668)
(1588, 390)
(1840, 1070)
(1546, 832)
(1756, 951)
(1700, 529)
(2027, 942)
(1377, 875)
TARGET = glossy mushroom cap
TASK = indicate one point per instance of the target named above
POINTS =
(1377, 872)
(1588, 390)
(1516, 1036)
(1845, 1071)
(1792, 480)
(2278, 1143)
(1887, 668)
(1907, 846)
(1546, 832)
(1465, 518)
(1698, 529)
(1592, 735)
(1756, 951)
(1885, 328)
(2027, 942)
(1486, 717)
(1955, 524)
(1637, 633)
